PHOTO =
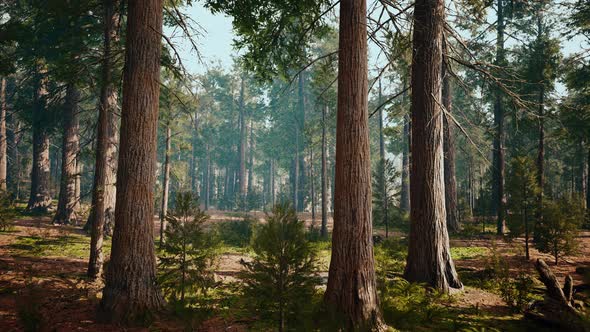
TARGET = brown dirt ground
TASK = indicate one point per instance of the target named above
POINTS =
(67, 301)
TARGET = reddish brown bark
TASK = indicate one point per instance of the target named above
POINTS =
(103, 191)
(429, 257)
(40, 197)
(130, 293)
(324, 229)
(449, 153)
(351, 292)
(67, 203)
(165, 184)
(3, 140)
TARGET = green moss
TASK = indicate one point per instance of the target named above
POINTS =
(71, 246)
(462, 253)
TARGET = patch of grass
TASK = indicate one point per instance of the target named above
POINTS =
(463, 253)
(71, 246)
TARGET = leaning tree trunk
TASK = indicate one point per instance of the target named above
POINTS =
(429, 258)
(165, 185)
(40, 197)
(3, 140)
(498, 164)
(67, 203)
(557, 308)
(351, 292)
(130, 293)
(449, 154)
(324, 229)
(103, 191)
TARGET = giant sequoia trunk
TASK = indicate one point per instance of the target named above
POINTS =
(3, 140)
(130, 293)
(351, 292)
(67, 203)
(40, 197)
(102, 210)
(429, 257)
(498, 164)
(165, 185)
(449, 153)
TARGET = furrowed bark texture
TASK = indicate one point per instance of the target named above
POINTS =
(351, 292)
(67, 203)
(449, 153)
(131, 293)
(40, 197)
(102, 212)
(429, 258)
(3, 140)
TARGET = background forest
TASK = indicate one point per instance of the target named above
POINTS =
(382, 165)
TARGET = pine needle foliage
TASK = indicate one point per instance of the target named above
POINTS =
(280, 282)
(189, 254)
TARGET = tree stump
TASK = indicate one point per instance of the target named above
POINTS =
(557, 309)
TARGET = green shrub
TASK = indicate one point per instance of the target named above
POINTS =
(557, 232)
(279, 284)
(189, 253)
(517, 293)
(236, 233)
(7, 211)
(408, 305)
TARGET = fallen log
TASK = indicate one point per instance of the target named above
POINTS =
(557, 309)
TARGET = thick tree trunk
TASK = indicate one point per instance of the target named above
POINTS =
(130, 293)
(498, 164)
(103, 192)
(383, 189)
(351, 292)
(242, 146)
(449, 153)
(165, 184)
(66, 207)
(324, 229)
(429, 258)
(40, 197)
(3, 139)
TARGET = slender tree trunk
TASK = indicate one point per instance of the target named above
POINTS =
(449, 154)
(405, 190)
(12, 137)
(429, 258)
(207, 178)
(242, 146)
(40, 197)
(272, 182)
(66, 207)
(383, 189)
(3, 139)
(498, 164)
(165, 184)
(251, 158)
(130, 293)
(324, 230)
(301, 143)
(541, 152)
(526, 225)
(312, 187)
(194, 143)
(103, 191)
(295, 174)
(351, 292)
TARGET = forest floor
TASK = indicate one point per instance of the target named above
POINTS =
(43, 285)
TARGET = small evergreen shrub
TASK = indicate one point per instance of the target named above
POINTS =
(557, 232)
(189, 253)
(236, 233)
(517, 293)
(7, 211)
(279, 284)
